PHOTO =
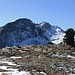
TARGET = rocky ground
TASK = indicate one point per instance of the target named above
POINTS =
(48, 59)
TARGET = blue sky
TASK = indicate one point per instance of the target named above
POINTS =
(56, 12)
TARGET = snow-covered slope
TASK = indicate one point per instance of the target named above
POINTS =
(25, 32)
(54, 33)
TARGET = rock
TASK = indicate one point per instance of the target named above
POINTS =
(50, 43)
(5, 50)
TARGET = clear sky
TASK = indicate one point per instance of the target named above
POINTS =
(56, 12)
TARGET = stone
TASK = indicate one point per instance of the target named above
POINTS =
(5, 50)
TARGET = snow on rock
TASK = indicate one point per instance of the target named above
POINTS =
(13, 57)
(43, 73)
(54, 34)
(69, 56)
(9, 70)
(25, 32)
(15, 73)
(6, 62)
(57, 38)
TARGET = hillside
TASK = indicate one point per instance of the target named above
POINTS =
(38, 60)
(27, 48)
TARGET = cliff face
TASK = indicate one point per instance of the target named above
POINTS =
(25, 32)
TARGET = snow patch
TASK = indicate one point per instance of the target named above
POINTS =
(15, 73)
(9, 70)
(69, 56)
(6, 62)
(57, 38)
(13, 57)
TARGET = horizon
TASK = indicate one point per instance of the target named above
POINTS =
(56, 12)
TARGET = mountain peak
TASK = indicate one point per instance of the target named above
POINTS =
(24, 32)
(45, 25)
(24, 20)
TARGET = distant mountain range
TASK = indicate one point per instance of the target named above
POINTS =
(25, 32)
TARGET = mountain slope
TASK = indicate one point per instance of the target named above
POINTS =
(25, 32)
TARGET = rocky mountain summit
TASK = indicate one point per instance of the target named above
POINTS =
(25, 32)
(50, 59)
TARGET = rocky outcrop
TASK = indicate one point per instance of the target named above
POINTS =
(69, 37)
